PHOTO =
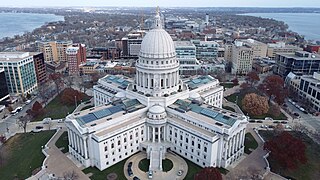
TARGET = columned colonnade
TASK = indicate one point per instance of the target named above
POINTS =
(78, 143)
(234, 144)
(156, 134)
(165, 80)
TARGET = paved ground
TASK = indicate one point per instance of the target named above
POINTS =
(58, 163)
(178, 164)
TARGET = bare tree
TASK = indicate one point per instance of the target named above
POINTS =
(69, 81)
(43, 93)
(70, 175)
(23, 122)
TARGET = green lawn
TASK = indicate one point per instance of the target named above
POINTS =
(98, 175)
(193, 169)
(233, 98)
(310, 170)
(56, 109)
(167, 165)
(144, 165)
(227, 85)
(23, 154)
(63, 142)
(249, 143)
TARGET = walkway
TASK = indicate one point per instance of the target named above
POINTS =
(178, 164)
(58, 163)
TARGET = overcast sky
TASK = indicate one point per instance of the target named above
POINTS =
(164, 3)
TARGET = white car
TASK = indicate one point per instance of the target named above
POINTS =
(28, 101)
(150, 174)
(268, 119)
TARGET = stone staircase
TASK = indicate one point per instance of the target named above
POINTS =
(155, 160)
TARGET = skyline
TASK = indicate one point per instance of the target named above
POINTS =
(163, 3)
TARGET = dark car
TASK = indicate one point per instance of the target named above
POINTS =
(259, 121)
(136, 178)
(129, 164)
(276, 122)
(130, 172)
(284, 122)
(296, 114)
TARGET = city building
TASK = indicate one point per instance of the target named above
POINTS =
(4, 93)
(186, 54)
(105, 53)
(306, 88)
(54, 50)
(20, 72)
(76, 55)
(299, 63)
(242, 58)
(313, 48)
(206, 50)
(131, 44)
(259, 49)
(157, 113)
(280, 47)
(40, 67)
(309, 89)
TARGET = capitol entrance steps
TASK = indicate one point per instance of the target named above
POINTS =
(156, 156)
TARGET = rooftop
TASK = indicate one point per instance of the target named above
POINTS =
(183, 43)
(196, 82)
(94, 116)
(209, 114)
(120, 81)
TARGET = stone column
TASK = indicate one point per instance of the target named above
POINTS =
(159, 134)
(229, 147)
(84, 139)
(70, 138)
(153, 134)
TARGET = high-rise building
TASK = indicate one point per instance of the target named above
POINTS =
(40, 68)
(76, 55)
(54, 50)
(4, 93)
(242, 58)
(280, 47)
(186, 54)
(206, 50)
(259, 49)
(299, 63)
(157, 113)
(20, 72)
(207, 19)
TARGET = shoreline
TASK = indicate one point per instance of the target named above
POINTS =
(25, 31)
(307, 34)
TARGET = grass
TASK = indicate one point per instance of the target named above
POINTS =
(310, 170)
(227, 85)
(229, 108)
(144, 165)
(193, 169)
(56, 109)
(63, 142)
(167, 165)
(98, 175)
(23, 154)
(237, 98)
(249, 143)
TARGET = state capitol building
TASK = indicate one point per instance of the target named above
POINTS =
(157, 113)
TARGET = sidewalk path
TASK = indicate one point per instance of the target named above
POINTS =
(58, 163)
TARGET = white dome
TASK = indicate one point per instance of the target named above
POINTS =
(194, 95)
(120, 95)
(157, 109)
(157, 44)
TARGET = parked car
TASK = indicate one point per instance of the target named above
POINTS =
(296, 114)
(259, 121)
(130, 173)
(16, 110)
(268, 119)
(37, 129)
(284, 122)
(180, 172)
(129, 164)
(28, 101)
(136, 178)
(150, 174)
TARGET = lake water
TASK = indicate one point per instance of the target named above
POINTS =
(307, 24)
(17, 23)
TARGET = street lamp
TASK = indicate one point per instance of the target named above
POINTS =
(75, 101)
